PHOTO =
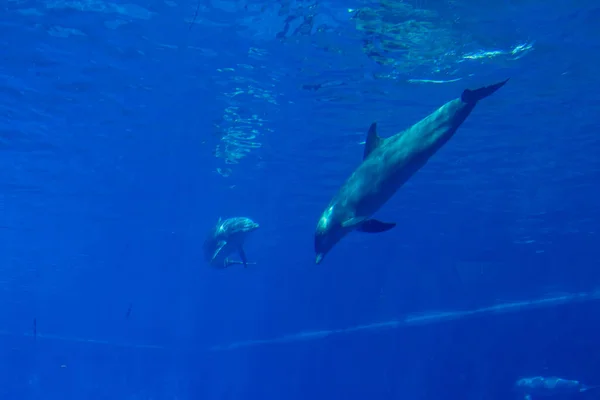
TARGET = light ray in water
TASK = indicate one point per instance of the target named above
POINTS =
(73, 339)
(423, 319)
(408, 321)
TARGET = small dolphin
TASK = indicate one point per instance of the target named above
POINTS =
(227, 237)
(540, 386)
(387, 164)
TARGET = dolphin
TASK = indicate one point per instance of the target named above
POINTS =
(540, 386)
(387, 164)
(228, 236)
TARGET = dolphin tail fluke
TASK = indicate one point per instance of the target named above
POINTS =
(471, 96)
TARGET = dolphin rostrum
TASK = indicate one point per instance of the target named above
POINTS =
(228, 237)
(387, 164)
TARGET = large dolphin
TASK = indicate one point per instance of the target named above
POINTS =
(540, 386)
(228, 237)
(387, 164)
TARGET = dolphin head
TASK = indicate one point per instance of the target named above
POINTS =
(235, 225)
(246, 225)
(329, 231)
(226, 235)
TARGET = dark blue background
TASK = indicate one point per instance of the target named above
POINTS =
(108, 185)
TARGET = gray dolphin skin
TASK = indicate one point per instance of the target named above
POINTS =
(228, 237)
(540, 386)
(387, 164)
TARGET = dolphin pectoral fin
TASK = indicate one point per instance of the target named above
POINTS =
(375, 226)
(373, 140)
(220, 246)
(243, 256)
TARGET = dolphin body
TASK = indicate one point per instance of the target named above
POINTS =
(228, 237)
(540, 386)
(387, 164)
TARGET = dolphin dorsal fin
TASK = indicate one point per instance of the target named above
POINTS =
(373, 140)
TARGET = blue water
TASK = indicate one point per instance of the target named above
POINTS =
(128, 129)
